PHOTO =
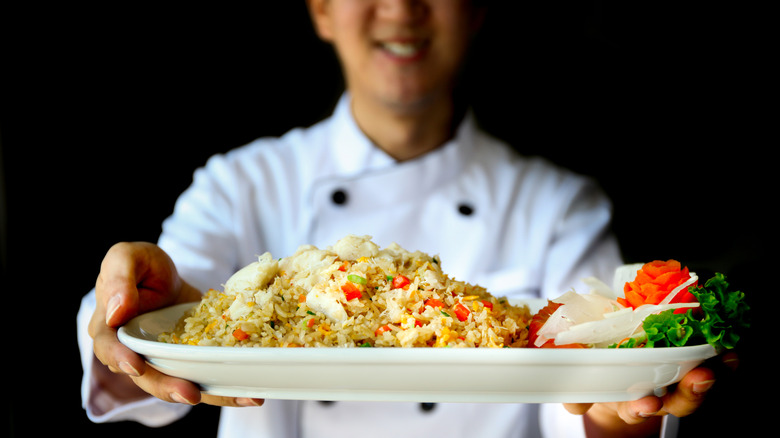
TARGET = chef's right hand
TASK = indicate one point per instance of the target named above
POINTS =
(136, 278)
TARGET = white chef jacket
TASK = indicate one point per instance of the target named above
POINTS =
(519, 226)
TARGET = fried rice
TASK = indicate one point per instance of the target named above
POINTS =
(351, 294)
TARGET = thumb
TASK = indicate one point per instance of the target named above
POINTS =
(577, 408)
(116, 287)
(121, 301)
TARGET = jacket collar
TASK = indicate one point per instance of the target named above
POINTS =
(355, 153)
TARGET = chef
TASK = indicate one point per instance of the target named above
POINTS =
(399, 160)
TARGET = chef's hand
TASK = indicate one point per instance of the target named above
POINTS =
(643, 416)
(136, 278)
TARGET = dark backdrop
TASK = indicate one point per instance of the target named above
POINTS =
(108, 110)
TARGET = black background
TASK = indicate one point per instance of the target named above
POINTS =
(108, 110)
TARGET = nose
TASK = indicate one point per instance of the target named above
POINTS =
(402, 11)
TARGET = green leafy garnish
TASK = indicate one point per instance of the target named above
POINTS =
(725, 313)
(719, 321)
(668, 329)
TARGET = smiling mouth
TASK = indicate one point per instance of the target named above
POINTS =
(404, 49)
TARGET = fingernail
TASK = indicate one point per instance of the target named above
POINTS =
(175, 396)
(702, 387)
(111, 307)
(128, 369)
(647, 414)
(731, 362)
(245, 401)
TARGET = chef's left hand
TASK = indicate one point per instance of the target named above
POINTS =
(643, 416)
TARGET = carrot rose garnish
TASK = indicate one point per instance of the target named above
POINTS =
(654, 282)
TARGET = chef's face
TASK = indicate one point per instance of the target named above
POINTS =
(401, 53)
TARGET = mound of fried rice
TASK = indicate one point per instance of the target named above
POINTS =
(351, 294)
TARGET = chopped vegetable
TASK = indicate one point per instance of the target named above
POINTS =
(461, 312)
(380, 330)
(240, 334)
(433, 302)
(356, 279)
(351, 291)
(400, 281)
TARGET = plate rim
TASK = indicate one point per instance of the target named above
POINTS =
(131, 336)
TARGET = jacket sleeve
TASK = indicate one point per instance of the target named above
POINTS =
(99, 402)
(581, 242)
(201, 236)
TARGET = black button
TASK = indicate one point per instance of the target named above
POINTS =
(427, 407)
(339, 197)
(326, 402)
(465, 209)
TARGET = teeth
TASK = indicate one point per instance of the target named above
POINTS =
(401, 49)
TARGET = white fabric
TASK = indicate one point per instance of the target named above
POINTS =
(98, 403)
(535, 231)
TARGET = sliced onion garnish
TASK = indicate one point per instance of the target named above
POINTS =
(576, 309)
(614, 327)
(598, 287)
(597, 318)
(683, 287)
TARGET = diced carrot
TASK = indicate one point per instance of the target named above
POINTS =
(354, 295)
(380, 330)
(433, 302)
(310, 323)
(351, 291)
(400, 281)
(240, 334)
(461, 312)
(487, 304)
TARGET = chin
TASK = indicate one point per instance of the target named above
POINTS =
(415, 100)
